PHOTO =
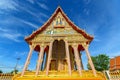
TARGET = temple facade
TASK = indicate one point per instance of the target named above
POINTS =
(61, 41)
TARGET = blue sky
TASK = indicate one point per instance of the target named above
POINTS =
(19, 18)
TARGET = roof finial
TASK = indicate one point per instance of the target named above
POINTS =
(59, 4)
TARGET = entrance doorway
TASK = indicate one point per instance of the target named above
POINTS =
(58, 55)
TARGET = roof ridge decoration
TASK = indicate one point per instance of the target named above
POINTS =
(45, 25)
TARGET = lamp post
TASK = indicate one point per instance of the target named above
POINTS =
(16, 65)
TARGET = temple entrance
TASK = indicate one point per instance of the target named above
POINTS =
(58, 55)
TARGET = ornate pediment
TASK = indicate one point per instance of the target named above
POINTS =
(59, 26)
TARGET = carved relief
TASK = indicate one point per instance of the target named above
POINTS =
(58, 21)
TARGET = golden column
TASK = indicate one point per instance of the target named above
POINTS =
(40, 59)
(46, 59)
(28, 59)
(49, 57)
(77, 58)
(89, 58)
(68, 57)
(81, 61)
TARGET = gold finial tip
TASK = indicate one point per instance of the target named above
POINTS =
(59, 6)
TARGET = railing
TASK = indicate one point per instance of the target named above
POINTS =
(115, 75)
(6, 76)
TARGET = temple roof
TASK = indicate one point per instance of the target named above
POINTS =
(44, 26)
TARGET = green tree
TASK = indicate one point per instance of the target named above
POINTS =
(101, 62)
(14, 71)
(1, 71)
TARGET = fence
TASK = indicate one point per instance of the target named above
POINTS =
(6, 76)
(115, 75)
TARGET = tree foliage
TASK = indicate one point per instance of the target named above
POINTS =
(1, 71)
(14, 71)
(101, 62)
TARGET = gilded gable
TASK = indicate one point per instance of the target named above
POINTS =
(59, 27)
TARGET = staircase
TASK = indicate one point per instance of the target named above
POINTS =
(60, 75)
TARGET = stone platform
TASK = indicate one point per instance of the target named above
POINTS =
(60, 75)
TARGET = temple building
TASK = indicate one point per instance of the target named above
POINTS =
(115, 63)
(114, 70)
(61, 41)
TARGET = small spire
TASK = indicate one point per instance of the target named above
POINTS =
(59, 6)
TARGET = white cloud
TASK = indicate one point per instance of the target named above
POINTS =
(29, 23)
(44, 15)
(4, 30)
(29, 11)
(31, 1)
(20, 54)
(12, 36)
(96, 38)
(114, 54)
(12, 5)
(39, 15)
(38, 2)
(32, 13)
(43, 6)
(7, 4)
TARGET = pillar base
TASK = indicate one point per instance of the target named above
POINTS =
(61, 75)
